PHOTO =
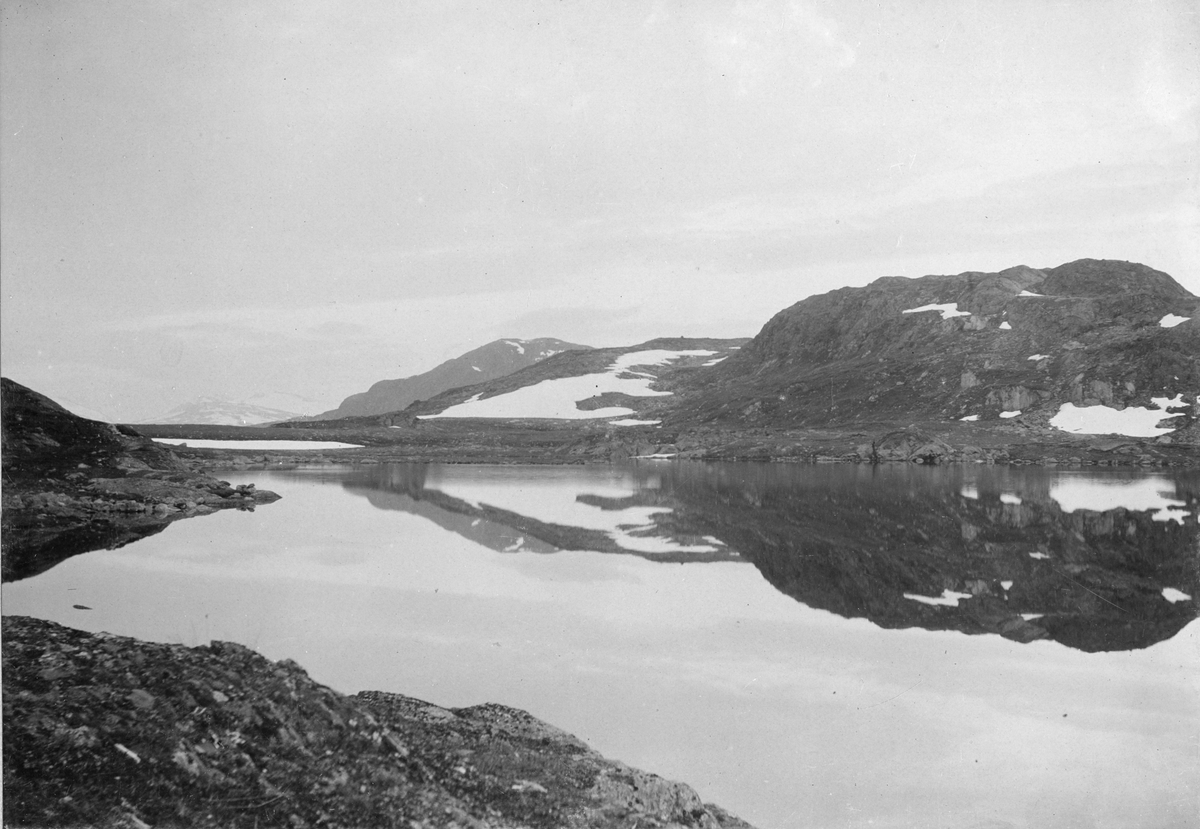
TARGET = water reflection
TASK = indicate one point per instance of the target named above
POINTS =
(790, 716)
(1095, 561)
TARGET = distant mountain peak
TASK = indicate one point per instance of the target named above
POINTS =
(222, 411)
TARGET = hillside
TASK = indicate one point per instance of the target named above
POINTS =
(1023, 348)
(496, 359)
(72, 485)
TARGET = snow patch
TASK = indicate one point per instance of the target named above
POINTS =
(1031, 616)
(517, 344)
(1037, 357)
(949, 598)
(947, 311)
(659, 455)
(1172, 595)
(1029, 293)
(1010, 414)
(970, 418)
(717, 360)
(1038, 555)
(557, 398)
(1007, 585)
(1170, 514)
(1004, 326)
(629, 421)
(970, 492)
(1009, 498)
(1132, 421)
(193, 443)
(1172, 320)
(476, 368)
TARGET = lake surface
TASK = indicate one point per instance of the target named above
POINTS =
(830, 646)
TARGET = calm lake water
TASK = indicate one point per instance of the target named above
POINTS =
(833, 646)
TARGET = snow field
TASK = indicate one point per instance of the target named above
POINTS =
(557, 398)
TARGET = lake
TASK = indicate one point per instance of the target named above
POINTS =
(807, 646)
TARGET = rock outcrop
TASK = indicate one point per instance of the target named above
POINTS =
(1021, 342)
(108, 731)
(73, 485)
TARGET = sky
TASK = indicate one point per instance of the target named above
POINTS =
(285, 202)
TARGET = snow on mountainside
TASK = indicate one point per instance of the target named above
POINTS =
(601, 383)
(219, 411)
(488, 362)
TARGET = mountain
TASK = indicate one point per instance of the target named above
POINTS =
(631, 383)
(1089, 347)
(496, 359)
(221, 411)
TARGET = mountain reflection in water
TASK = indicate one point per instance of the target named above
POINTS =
(1096, 561)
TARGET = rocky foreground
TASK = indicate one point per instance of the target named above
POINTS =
(108, 731)
(73, 485)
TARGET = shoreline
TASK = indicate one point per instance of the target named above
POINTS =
(113, 731)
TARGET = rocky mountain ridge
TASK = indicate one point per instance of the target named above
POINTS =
(489, 362)
(1088, 347)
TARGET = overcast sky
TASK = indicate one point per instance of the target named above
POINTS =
(250, 198)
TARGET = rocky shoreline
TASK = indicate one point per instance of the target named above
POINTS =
(73, 485)
(534, 442)
(110, 731)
